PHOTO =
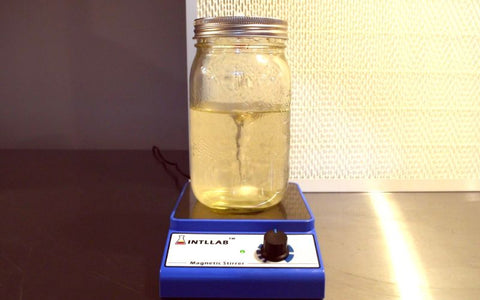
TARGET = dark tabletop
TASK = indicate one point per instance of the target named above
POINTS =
(83, 224)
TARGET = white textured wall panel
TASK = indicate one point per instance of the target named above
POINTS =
(385, 94)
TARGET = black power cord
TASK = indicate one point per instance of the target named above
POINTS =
(165, 163)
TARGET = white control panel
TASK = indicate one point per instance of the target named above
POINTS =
(237, 251)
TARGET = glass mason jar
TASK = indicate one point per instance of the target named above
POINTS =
(239, 113)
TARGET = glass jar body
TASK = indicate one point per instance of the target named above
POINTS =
(239, 122)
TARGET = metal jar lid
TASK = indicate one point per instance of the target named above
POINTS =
(239, 26)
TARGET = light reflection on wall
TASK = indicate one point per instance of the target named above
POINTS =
(407, 268)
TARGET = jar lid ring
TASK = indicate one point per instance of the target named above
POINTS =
(240, 26)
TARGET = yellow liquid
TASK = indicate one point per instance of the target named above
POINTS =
(239, 159)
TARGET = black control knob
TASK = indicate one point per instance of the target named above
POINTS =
(274, 245)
